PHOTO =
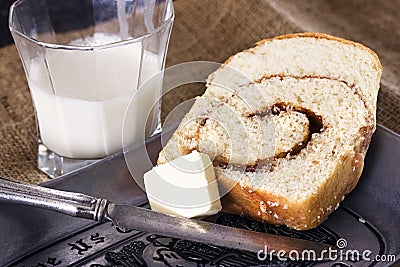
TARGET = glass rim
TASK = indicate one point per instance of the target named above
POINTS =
(162, 26)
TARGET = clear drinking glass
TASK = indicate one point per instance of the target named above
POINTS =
(84, 59)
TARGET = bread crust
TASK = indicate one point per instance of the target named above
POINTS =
(303, 215)
(318, 35)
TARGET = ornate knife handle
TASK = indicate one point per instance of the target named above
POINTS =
(73, 204)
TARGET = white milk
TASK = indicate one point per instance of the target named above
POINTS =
(81, 107)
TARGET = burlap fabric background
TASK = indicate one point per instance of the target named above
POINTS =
(203, 30)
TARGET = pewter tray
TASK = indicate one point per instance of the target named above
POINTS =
(369, 218)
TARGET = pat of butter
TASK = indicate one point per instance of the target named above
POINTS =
(184, 187)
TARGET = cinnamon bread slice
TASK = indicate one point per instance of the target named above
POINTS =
(288, 128)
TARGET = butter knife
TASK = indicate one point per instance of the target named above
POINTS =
(141, 219)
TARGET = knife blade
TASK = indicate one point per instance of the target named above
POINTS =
(129, 217)
(141, 219)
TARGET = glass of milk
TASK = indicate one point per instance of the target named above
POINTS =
(84, 60)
